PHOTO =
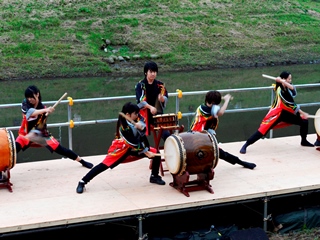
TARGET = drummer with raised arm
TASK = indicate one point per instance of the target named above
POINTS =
(151, 96)
(283, 112)
(207, 118)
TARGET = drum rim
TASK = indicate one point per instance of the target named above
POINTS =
(182, 153)
(215, 146)
(164, 114)
(12, 147)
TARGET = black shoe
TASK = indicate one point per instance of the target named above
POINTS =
(248, 165)
(305, 143)
(80, 187)
(157, 180)
(243, 150)
(86, 164)
(317, 143)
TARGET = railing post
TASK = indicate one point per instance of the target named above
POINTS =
(69, 120)
(179, 95)
(272, 97)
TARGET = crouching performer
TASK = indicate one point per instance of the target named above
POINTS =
(130, 144)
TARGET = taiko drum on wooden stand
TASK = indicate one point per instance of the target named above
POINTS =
(191, 153)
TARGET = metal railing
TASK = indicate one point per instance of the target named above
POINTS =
(178, 96)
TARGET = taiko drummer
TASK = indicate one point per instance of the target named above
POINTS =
(283, 111)
(34, 117)
(207, 118)
(151, 96)
(130, 141)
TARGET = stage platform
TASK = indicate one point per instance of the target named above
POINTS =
(44, 193)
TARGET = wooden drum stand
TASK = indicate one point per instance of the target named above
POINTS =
(5, 180)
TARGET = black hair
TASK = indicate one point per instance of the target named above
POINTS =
(285, 75)
(31, 91)
(150, 66)
(129, 108)
(213, 97)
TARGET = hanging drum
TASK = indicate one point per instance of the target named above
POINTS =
(165, 121)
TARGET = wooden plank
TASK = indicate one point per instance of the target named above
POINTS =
(44, 192)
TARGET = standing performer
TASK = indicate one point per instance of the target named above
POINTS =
(283, 111)
(130, 141)
(34, 121)
(151, 96)
(206, 118)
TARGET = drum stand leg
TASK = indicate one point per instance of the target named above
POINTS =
(5, 180)
(182, 183)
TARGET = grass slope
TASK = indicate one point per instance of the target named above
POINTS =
(62, 38)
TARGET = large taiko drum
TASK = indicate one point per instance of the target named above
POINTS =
(8, 155)
(194, 152)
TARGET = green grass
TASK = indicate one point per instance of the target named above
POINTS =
(40, 39)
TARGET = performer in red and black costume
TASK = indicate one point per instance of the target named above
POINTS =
(284, 111)
(34, 117)
(151, 96)
(130, 144)
(207, 118)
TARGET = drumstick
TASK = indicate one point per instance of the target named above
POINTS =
(163, 90)
(225, 96)
(313, 116)
(63, 96)
(267, 76)
(159, 155)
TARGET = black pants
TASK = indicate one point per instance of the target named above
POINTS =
(287, 118)
(228, 157)
(101, 167)
(295, 120)
(60, 150)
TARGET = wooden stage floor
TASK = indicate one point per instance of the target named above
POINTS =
(44, 192)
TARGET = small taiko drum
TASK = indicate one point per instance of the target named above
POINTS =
(194, 152)
(165, 120)
(8, 155)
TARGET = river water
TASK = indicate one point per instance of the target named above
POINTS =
(95, 139)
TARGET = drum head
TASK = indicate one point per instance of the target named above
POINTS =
(174, 154)
(317, 122)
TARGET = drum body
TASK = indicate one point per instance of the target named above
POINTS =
(165, 120)
(8, 155)
(194, 152)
